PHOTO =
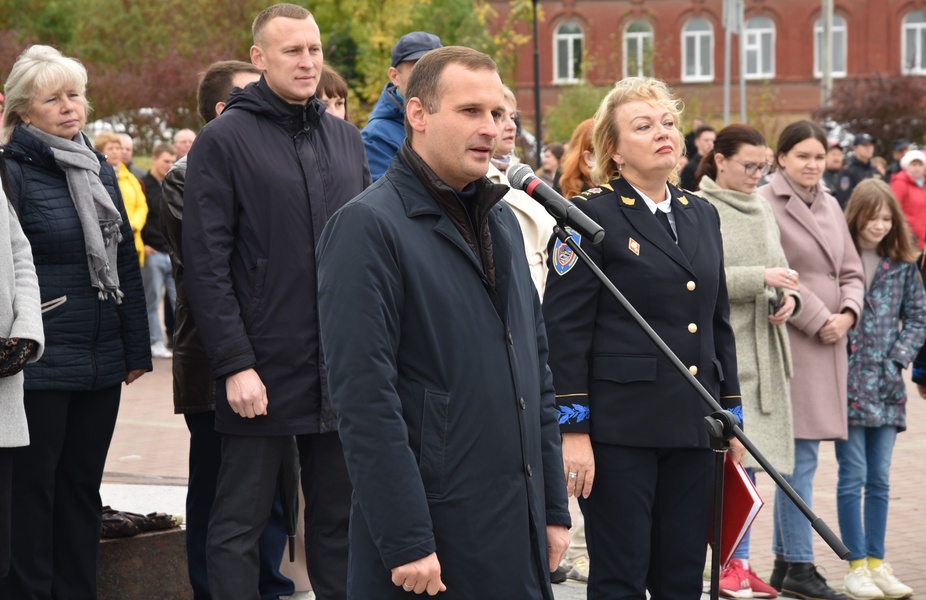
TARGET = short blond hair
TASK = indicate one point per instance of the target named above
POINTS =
(287, 11)
(38, 69)
(605, 135)
(105, 137)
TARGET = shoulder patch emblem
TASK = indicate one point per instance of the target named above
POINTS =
(563, 256)
(683, 200)
(628, 201)
(607, 186)
(594, 190)
(634, 246)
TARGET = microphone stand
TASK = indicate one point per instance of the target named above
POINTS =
(721, 425)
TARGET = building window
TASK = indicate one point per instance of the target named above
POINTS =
(697, 51)
(567, 44)
(638, 50)
(760, 48)
(913, 44)
(840, 45)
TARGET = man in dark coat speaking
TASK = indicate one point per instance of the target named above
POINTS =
(437, 361)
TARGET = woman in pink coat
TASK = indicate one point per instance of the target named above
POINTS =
(907, 186)
(818, 246)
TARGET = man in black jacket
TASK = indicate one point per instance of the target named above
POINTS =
(261, 183)
(194, 387)
(858, 168)
(445, 402)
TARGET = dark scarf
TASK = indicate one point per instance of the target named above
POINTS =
(468, 210)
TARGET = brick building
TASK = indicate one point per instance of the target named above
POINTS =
(682, 42)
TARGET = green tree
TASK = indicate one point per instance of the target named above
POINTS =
(576, 103)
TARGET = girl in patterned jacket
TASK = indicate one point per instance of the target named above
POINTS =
(891, 330)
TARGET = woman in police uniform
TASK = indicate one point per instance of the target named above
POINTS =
(635, 445)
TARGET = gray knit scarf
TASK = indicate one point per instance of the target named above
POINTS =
(99, 217)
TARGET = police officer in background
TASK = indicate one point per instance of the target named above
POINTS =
(858, 168)
(631, 424)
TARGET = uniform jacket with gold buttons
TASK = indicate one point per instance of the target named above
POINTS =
(610, 379)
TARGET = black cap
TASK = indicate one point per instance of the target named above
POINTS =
(413, 46)
(863, 138)
(899, 144)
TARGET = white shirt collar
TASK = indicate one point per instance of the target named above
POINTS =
(665, 206)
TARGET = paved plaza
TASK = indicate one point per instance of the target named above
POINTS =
(147, 468)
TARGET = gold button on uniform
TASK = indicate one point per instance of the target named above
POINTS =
(692, 328)
(693, 370)
(691, 286)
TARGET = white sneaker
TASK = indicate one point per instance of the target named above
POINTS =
(860, 586)
(159, 350)
(579, 570)
(884, 578)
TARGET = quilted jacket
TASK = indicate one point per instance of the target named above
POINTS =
(89, 343)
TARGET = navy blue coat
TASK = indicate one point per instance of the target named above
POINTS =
(261, 183)
(89, 344)
(445, 404)
(611, 380)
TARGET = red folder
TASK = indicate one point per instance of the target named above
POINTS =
(741, 504)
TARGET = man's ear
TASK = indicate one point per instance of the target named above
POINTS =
(219, 107)
(394, 76)
(416, 114)
(257, 57)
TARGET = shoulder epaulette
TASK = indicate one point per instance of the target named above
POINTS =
(598, 190)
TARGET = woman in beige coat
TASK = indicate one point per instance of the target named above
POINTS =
(817, 245)
(763, 296)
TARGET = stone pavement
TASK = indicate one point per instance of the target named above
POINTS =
(147, 467)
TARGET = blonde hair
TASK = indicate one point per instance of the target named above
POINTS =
(286, 11)
(37, 70)
(105, 137)
(605, 135)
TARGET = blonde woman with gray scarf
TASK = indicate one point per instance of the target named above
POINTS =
(763, 296)
(94, 318)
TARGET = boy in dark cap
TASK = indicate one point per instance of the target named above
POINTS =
(898, 149)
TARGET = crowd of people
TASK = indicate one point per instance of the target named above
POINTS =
(373, 313)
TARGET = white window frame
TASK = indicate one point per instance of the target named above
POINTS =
(640, 39)
(759, 40)
(698, 36)
(917, 66)
(570, 38)
(840, 46)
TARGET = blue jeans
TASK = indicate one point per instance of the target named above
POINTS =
(157, 277)
(864, 461)
(792, 534)
(742, 551)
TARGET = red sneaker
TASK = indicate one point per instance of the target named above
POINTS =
(760, 589)
(734, 580)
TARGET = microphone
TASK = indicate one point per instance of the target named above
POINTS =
(522, 177)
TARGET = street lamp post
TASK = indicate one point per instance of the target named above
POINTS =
(537, 132)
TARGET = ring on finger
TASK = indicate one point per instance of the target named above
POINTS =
(408, 587)
(573, 474)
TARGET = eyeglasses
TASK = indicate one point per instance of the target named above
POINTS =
(753, 168)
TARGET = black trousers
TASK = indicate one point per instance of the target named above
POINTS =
(56, 495)
(647, 522)
(205, 459)
(6, 491)
(244, 496)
